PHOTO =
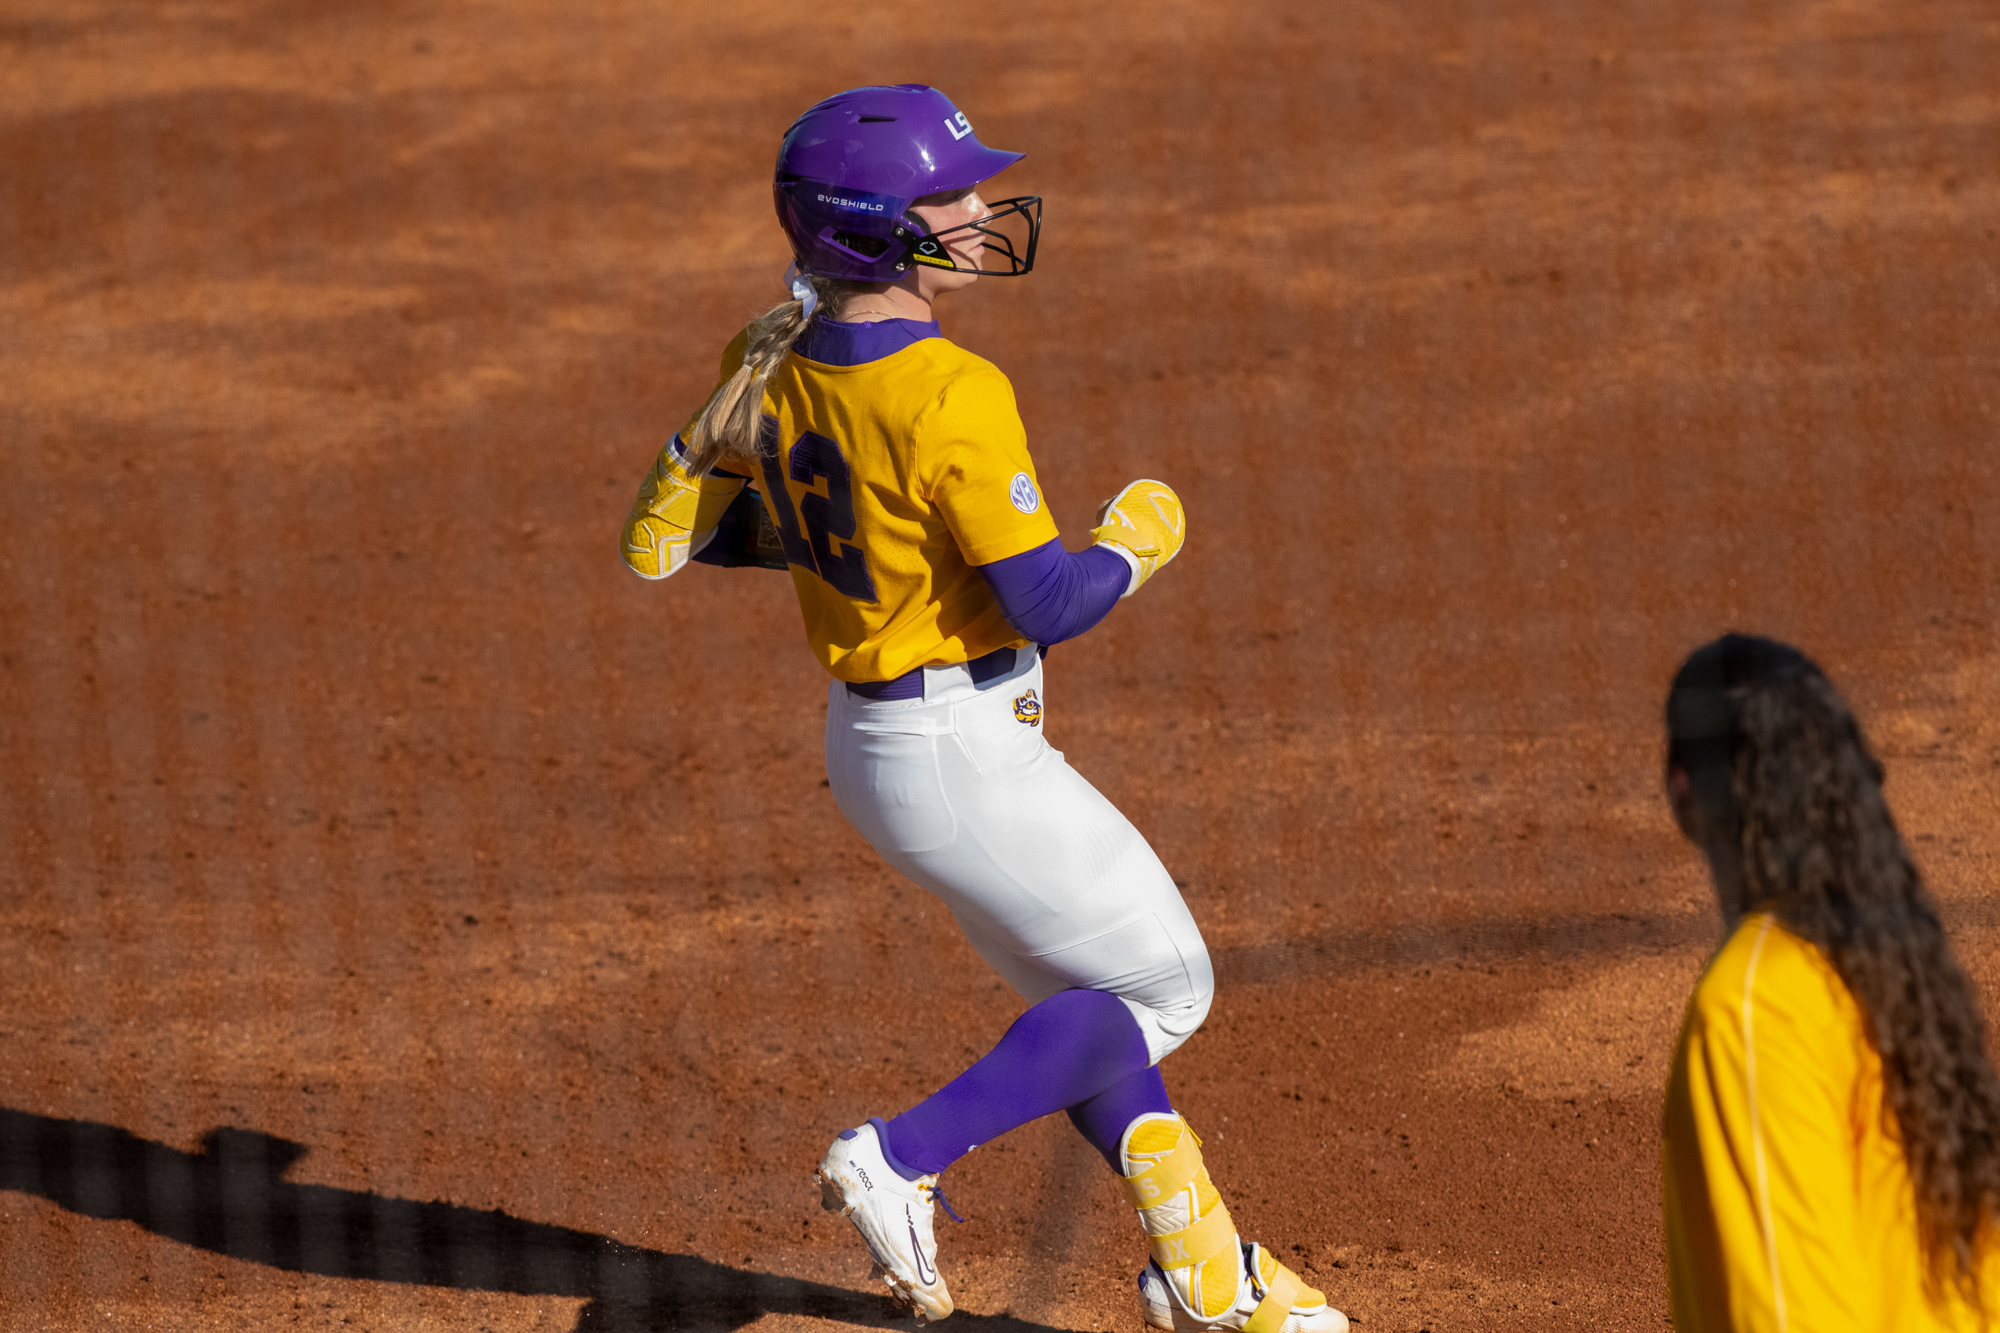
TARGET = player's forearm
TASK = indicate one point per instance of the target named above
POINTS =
(743, 536)
(1049, 594)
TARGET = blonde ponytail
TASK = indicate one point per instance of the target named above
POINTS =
(730, 422)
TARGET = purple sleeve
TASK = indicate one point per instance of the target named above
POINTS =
(1050, 594)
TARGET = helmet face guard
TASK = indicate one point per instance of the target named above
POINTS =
(1011, 230)
(851, 167)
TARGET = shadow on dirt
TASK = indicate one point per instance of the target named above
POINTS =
(1494, 941)
(231, 1198)
(1484, 942)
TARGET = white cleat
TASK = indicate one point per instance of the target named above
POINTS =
(1259, 1308)
(893, 1216)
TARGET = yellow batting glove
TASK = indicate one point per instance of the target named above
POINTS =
(1145, 523)
(673, 516)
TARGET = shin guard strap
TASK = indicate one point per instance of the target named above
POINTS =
(1279, 1297)
(1196, 1244)
(1168, 1176)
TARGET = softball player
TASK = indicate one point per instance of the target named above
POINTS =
(902, 498)
(1831, 1146)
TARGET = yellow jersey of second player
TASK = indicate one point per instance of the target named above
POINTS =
(889, 482)
(1789, 1208)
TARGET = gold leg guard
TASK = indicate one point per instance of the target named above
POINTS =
(1194, 1241)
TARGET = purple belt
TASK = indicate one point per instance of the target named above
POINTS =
(910, 685)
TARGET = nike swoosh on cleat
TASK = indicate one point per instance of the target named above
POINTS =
(924, 1269)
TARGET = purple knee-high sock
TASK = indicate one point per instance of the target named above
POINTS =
(1072, 1051)
(1104, 1117)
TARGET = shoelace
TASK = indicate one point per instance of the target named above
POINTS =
(937, 1194)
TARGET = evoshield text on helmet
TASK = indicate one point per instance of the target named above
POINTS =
(851, 167)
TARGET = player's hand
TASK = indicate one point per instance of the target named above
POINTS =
(661, 524)
(1146, 524)
(674, 516)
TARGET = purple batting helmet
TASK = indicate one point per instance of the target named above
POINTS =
(851, 167)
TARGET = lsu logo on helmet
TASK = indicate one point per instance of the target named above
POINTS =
(1028, 709)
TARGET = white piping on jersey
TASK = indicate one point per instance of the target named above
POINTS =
(1757, 1130)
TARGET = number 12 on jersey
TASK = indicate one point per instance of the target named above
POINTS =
(827, 518)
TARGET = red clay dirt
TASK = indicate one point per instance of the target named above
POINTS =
(412, 920)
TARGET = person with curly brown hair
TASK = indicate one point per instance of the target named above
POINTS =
(1832, 1130)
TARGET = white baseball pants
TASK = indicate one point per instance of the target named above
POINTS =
(1050, 883)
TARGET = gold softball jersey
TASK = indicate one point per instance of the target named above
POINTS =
(1788, 1205)
(889, 482)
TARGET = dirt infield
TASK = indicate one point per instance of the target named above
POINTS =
(411, 920)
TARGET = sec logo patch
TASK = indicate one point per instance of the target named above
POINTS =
(1023, 493)
(1028, 709)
